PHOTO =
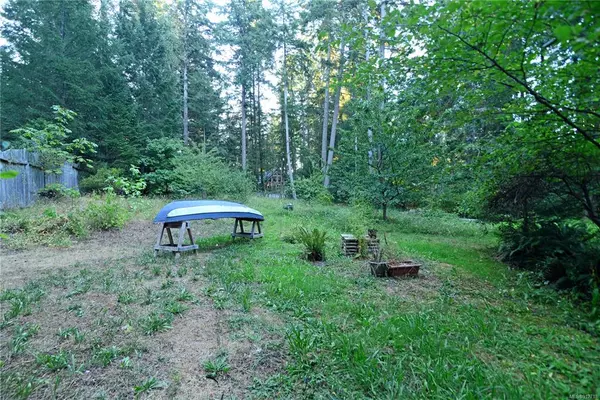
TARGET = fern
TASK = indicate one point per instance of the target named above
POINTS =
(314, 243)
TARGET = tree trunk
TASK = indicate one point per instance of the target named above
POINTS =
(383, 83)
(336, 112)
(287, 128)
(186, 133)
(325, 110)
(384, 207)
(370, 129)
(260, 139)
(254, 130)
(243, 127)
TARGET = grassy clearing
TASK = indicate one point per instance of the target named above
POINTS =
(478, 330)
(466, 328)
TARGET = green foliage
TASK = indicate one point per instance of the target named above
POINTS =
(312, 189)
(128, 187)
(22, 335)
(57, 191)
(566, 254)
(53, 362)
(158, 163)
(97, 182)
(51, 142)
(170, 168)
(175, 307)
(207, 175)
(8, 174)
(108, 213)
(105, 356)
(313, 242)
(149, 384)
(156, 322)
(216, 367)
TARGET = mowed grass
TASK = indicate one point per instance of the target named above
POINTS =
(468, 327)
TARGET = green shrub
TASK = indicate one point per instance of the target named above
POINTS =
(311, 189)
(98, 182)
(209, 176)
(129, 187)
(169, 168)
(76, 225)
(14, 223)
(314, 243)
(57, 191)
(107, 214)
(567, 254)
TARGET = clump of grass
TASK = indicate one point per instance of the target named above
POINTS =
(175, 307)
(17, 385)
(73, 332)
(149, 384)
(106, 355)
(126, 363)
(156, 322)
(184, 295)
(216, 366)
(77, 309)
(21, 300)
(246, 299)
(107, 214)
(126, 298)
(53, 362)
(314, 243)
(22, 335)
(167, 284)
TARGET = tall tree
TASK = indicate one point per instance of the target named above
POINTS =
(49, 60)
(336, 112)
(201, 104)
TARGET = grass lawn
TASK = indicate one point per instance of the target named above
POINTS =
(252, 319)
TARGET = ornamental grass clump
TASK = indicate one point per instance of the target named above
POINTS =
(314, 243)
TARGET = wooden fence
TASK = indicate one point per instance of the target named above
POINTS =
(22, 190)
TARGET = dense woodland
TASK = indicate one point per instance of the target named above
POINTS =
(485, 109)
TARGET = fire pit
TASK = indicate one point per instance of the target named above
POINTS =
(403, 268)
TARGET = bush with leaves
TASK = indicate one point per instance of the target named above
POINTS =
(51, 141)
(566, 254)
(208, 176)
(312, 189)
(109, 213)
(97, 182)
(158, 163)
(57, 191)
(128, 187)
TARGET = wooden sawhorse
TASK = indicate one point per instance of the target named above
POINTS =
(240, 233)
(177, 248)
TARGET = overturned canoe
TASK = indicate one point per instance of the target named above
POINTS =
(178, 214)
(191, 210)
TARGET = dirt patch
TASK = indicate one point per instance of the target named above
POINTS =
(16, 267)
(423, 287)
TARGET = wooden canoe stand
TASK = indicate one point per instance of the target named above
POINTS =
(177, 248)
(240, 233)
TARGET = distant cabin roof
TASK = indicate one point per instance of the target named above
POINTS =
(190, 210)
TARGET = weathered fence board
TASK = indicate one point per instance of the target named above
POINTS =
(22, 190)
